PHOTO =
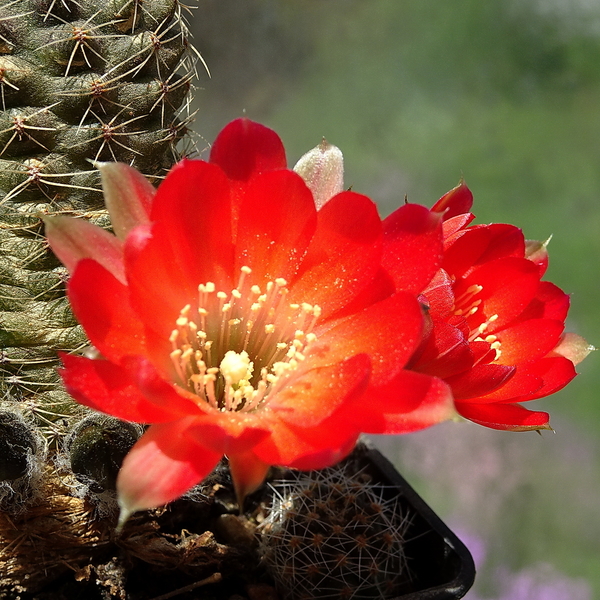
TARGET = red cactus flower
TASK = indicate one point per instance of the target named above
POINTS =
(236, 319)
(496, 331)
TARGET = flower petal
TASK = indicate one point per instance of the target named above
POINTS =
(481, 244)
(307, 447)
(440, 296)
(73, 240)
(229, 433)
(509, 285)
(554, 372)
(157, 293)
(315, 395)
(573, 347)
(457, 201)
(128, 196)
(244, 149)
(537, 252)
(409, 232)
(407, 403)
(277, 219)
(344, 254)
(446, 352)
(110, 389)
(192, 211)
(528, 341)
(550, 302)
(388, 332)
(101, 304)
(508, 417)
(161, 466)
(480, 380)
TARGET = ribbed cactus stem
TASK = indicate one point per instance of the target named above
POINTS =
(80, 81)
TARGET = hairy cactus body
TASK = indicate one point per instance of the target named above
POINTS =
(334, 534)
(22, 456)
(80, 81)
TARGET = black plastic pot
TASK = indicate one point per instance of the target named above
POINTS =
(442, 568)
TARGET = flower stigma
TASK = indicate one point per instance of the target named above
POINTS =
(233, 351)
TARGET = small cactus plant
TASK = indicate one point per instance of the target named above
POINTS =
(335, 534)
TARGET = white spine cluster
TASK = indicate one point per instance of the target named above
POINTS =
(335, 534)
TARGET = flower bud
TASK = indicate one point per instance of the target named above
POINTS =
(97, 446)
(22, 460)
(17, 444)
(322, 168)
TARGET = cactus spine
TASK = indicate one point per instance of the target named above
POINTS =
(80, 81)
(334, 534)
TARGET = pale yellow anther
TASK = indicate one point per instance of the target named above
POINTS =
(491, 338)
(207, 288)
(257, 324)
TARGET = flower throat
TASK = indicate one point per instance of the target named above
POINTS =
(232, 351)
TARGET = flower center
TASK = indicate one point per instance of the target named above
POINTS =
(466, 305)
(234, 350)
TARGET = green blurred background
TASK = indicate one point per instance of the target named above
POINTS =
(418, 93)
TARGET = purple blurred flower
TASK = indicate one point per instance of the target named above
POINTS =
(538, 582)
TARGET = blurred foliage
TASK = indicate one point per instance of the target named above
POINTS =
(419, 93)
